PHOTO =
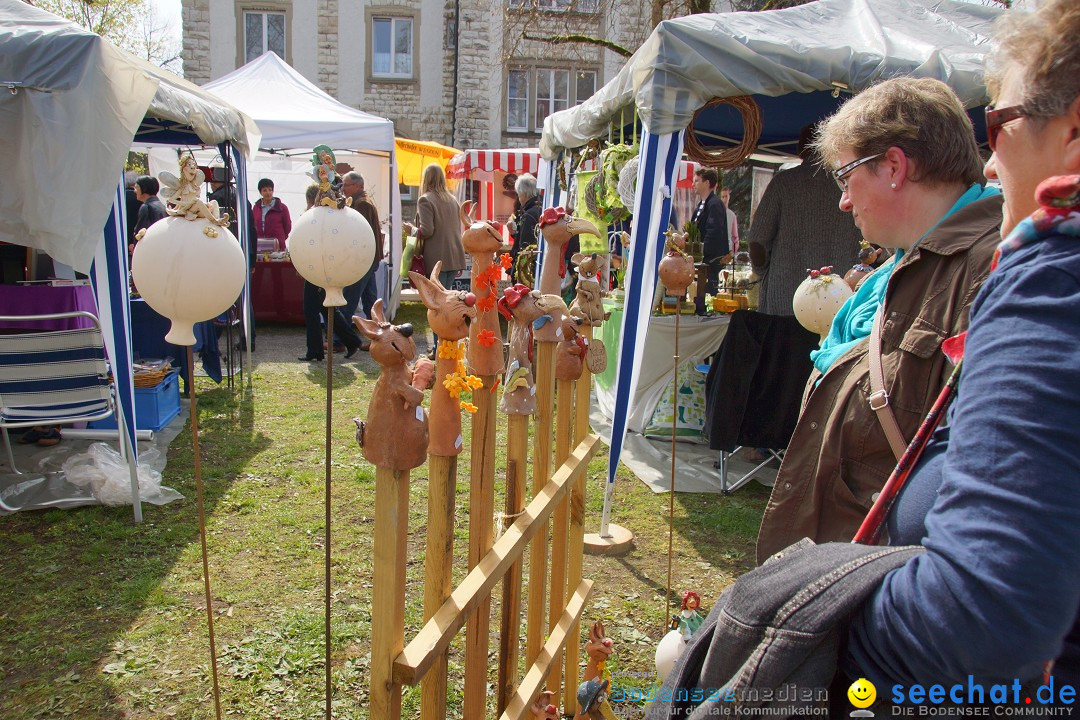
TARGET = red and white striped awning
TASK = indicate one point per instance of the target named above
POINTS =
(520, 160)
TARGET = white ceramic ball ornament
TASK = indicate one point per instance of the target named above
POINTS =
(188, 271)
(818, 298)
(331, 248)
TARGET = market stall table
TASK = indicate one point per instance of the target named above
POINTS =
(277, 292)
(699, 337)
(45, 300)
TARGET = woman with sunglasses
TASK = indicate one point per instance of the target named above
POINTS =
(996, 497)
(905, 158)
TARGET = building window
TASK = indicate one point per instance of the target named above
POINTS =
(517, 100)
(263, 31)
(392, 47)
(545, 90)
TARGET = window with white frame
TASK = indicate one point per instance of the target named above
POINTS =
(537, 92)
(392, 47)
(263, 31)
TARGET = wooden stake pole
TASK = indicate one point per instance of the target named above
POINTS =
(517, 459)
(388, 595)
(671, 495)
(545, 396)
(328, 443)
(560, 527)
(442, 486)
(202, 529)
(481, 527)
(576, 546)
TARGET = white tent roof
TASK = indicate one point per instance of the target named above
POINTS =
(811, 50)
(65, 132)
(292, 113)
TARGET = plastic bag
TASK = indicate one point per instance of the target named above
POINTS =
(104, 472)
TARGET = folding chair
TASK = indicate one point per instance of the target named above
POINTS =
(58, 377)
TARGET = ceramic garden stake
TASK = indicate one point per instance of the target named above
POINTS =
(449, 314)
(518, 306)
(395, 434)
(558, 227)
(483, 241)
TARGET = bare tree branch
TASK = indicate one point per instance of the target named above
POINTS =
(573, 38)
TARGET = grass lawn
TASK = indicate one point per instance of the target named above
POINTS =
(104, 619)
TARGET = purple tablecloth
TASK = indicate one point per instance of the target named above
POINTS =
(45, 300)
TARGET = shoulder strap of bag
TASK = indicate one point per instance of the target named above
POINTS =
(879, 399)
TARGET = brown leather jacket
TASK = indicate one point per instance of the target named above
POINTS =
(838, 457)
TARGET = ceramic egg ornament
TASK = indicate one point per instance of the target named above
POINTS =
(189, 271)
(331, 248)
(818, 298)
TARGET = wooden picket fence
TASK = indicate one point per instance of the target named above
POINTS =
(561, 449)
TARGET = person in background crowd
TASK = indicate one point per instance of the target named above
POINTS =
(527, 217)
(152, 209)
(132, 204)
(365, 290)
(271, 215)
(710, 216)
(733, 221)
(313, 308)
(996, 596)
(438, 227)
(910, 174)
(224, 193)
(798, 225)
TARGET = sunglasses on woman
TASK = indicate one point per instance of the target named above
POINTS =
(996, 118)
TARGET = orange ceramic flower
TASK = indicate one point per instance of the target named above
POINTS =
(486, 338)
(506, 260)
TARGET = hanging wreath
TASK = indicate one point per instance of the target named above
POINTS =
(727, 158)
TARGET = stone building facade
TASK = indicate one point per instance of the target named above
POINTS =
(453, 71)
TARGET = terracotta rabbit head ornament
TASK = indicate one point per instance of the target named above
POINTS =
(450, 313)
(395, 434)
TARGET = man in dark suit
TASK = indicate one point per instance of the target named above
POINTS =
(710, 216)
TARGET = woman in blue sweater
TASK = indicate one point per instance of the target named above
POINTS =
(996, 496)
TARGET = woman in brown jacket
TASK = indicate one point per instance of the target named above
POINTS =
(904, 155)
(438, 225)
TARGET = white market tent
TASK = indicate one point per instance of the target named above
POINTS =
(294, 116)
(75, 104)
(798, 64)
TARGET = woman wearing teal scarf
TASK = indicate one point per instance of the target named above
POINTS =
(904, 155)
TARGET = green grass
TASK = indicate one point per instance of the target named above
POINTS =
(105, 619)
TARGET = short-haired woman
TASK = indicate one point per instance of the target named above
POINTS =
(905, 158)
(527, 216)
(271, 216)
(995, 500)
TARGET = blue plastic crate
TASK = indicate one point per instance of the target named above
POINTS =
(155, 407)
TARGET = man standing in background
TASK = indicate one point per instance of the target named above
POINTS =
(352, 185)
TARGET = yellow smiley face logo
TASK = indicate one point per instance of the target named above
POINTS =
(862, 693)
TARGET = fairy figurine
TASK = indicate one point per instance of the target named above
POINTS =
(324, 174)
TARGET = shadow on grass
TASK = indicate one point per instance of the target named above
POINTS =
(723, 528)
(76, 580)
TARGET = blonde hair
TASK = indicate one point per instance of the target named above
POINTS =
(434, 181)
(921, 116)
(1044, 47)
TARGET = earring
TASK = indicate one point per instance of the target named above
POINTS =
(893, 186)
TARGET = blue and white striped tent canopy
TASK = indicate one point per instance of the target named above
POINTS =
(76, 104)
(798, 64)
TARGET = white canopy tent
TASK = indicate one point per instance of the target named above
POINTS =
(294, 116)
(75, 104)
(798, 64)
